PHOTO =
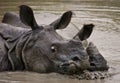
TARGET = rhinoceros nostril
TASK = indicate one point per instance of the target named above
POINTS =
(92, 64)
(75, 58)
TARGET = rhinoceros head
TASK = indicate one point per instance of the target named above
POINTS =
(47, 51)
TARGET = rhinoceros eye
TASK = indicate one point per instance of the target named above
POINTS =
(53, 49)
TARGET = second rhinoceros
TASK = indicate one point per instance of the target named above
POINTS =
(41, 49)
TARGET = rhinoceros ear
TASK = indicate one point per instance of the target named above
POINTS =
(85, 32)
(62, 22)
(27, 17)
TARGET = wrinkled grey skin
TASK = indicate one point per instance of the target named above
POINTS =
(65, 60)
(97, 61)
(41, 49)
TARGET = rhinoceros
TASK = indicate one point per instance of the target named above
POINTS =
(41, 49)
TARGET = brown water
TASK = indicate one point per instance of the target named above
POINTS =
(105, 14)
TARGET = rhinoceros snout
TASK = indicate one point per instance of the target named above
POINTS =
(75, 58)
(75, 64)
(69, 67)
(72, 66)
(96, 66)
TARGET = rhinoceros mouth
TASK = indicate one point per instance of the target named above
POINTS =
(69, 68)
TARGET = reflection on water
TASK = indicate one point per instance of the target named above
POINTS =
(105, 14)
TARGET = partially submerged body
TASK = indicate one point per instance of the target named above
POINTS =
(27, 49)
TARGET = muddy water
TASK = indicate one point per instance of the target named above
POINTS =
(105, 14)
